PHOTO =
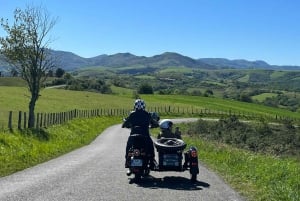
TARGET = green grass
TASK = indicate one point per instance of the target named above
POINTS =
(8, 81)
(58, 100)
(257, 177)
(55, 100)
(22, 150)
(263, 96)
(146, 77)
(176, 69)
(215, 83)
(120, 91)
(278, 74)
(244, 78)
(131, 67)
(296, 78)
(198, 102)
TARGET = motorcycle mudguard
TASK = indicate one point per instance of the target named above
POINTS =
(193, 157)
(194, 169)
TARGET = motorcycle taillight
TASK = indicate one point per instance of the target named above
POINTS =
(194, 153)
(136, 152)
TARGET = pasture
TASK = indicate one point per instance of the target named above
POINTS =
(250, 173)
(60, 100)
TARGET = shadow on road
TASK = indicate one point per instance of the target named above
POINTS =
(170, 182)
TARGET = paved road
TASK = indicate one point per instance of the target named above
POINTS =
(96, 172)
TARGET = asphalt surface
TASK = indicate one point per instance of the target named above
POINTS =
(96, 172)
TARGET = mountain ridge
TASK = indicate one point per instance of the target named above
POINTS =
(70, 62)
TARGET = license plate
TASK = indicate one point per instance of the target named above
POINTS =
(170, 163)
(136, 162)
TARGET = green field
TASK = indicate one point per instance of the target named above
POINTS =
(145, 77)
(277, 74)
(176, 69)
(8, 81)
(263, 96)
(244, 79)
(256, 176)
(58, 100)
(218, 104)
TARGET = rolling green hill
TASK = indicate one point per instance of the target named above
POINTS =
(58, 100)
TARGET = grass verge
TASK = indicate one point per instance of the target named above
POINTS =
(257, 177)
(22, 150)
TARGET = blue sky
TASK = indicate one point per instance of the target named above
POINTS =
(266, 30)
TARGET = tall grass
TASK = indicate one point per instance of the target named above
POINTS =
(257, 177)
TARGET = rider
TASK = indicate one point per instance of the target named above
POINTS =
(139, 121)
(166, 130)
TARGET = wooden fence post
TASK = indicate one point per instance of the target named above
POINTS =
(52, 119)
(37, 121)
(10, 120)
(41, 121)
(45, 120)
(20, 120)
(49, 119)
(25, 120)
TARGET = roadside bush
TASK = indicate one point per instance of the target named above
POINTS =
(58, 81)
(275, 139)
(96, 85)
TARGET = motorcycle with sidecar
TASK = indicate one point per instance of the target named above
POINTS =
(171, 157)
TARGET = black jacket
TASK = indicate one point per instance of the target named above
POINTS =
(139, 122)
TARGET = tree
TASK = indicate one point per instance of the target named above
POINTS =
(50, 73)
(26, 48)
(59, 72)
(145, 89)
(208, 92)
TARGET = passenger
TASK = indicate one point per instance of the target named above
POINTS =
(166, 130)
(177, 133)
